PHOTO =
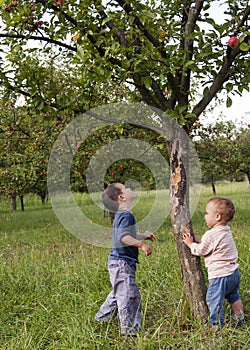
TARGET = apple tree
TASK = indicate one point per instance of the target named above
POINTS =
(26, 139)
(219, 151)
(121, 170)
(159, 52)
(16, 173)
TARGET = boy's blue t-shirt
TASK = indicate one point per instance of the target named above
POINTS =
(124, 224)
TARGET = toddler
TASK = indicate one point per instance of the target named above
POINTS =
(220, 255)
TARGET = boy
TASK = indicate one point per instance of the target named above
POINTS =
(124, 299)
(220, 255)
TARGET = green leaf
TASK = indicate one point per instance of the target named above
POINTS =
(229, 102)
(105, 20)
(182, 109)
(80, 53)
(147, 81)
(229, 86)
(205, 91)
(244, 47)
(190, 115)
(191, 65)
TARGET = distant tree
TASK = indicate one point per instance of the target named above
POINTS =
(222, 150)
(25, 143)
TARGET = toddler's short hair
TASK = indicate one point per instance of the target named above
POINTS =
(224, 206)
(110, 196)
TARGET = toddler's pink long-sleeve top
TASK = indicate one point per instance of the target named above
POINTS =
(219, 251)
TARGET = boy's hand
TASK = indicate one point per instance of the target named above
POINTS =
(187, 239)
(147, 249)
(150, 236)
(129, 240)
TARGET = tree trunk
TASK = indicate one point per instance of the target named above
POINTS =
(213, 186)
(248, 178)
(193, 277)
(43, 196)
(22, 202)
(13, 202)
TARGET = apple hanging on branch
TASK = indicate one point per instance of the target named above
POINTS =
(233, 42)
(58, 2)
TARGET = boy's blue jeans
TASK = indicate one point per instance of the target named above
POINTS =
(124, 299)
(219, 289)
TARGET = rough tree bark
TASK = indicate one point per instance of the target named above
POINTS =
(193, 277)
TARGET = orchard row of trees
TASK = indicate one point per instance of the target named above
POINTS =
(26, 140)
(66, 57)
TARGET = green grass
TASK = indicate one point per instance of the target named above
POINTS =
(51, 284)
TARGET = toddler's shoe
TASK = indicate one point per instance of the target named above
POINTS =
(239, 320)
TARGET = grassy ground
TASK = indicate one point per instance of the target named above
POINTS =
(51, 284)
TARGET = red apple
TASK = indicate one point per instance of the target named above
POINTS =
(14, 3)
(58, 2)
(233, 42)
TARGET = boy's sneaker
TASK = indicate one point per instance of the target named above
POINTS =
(130, 332)
(100, 317)
(214, 328)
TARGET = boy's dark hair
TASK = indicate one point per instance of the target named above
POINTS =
(224, 206)
(110, 196)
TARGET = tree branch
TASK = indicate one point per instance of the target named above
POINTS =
(146, 94)
(112, 26)
(245, 16)
(40, 38)
(189, 19)
(157, 44)
(218, 82)
(223, 74)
